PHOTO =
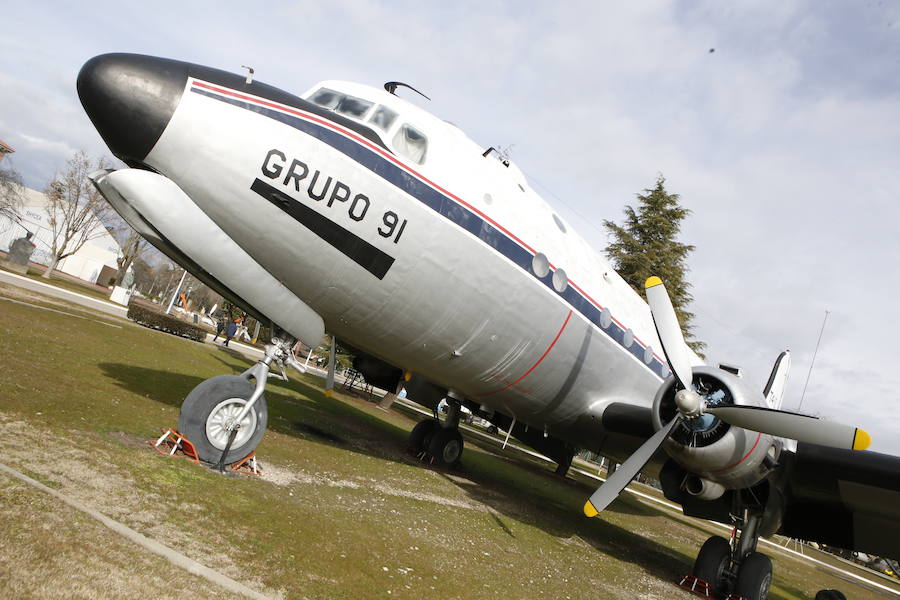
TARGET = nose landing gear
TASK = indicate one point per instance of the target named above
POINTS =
(226, 416)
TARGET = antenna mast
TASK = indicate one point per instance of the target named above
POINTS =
(816, 351)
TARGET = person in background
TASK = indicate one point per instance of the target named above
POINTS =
(220, 326)
(232, 329)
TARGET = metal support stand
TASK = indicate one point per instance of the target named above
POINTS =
(172, 442)
(509, 432)
(696, 586)
(329, 377)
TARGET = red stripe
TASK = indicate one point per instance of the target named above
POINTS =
(534, 366)
(746, 456)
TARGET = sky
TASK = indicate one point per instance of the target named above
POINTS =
(777, 123)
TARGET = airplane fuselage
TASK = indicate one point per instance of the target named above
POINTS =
(430, 273)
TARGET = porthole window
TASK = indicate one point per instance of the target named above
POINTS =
(559, 223)
(488, 199)
(665, 372)
(540, 265)
(628, 340)
(411, 143)
(605, 318)
(648, 355)
(560, 281)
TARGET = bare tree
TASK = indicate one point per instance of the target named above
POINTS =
(76, 210)
(131, 243)
(11, 193)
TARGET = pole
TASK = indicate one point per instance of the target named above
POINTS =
(175, 294)
(329, 378)
(813, 362)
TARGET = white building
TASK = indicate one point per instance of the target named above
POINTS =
(87, 264)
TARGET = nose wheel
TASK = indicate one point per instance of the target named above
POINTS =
(226, 416)
(208, 416)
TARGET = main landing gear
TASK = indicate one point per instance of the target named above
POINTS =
(440, 443)
(736, 569)
(225, 417)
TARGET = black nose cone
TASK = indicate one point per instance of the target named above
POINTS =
(130, 99)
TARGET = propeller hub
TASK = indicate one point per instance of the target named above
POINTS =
(689, 403)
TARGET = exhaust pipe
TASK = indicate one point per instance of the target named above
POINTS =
(703, 489)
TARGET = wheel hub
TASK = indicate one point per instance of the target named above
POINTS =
(451, 451)
(221, 421)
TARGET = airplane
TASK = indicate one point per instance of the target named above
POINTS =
(349, 209)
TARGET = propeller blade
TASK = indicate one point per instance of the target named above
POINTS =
(803, 428)
(669, 331)
(617, 482)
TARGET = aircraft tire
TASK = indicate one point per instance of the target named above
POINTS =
(203, 412)
(830, 595)
(754, 577)
(419, 434)
(712, 560)
(446, 446)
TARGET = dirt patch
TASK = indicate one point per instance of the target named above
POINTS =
(89, 474)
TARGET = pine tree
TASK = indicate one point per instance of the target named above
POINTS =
(646, 244)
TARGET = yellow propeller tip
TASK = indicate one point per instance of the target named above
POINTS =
(652, 281)
(861, 440)
(589, 510)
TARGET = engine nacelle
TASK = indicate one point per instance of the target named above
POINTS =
(707, 446)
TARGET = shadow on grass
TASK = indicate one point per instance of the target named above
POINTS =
(517, 490)
(296, 408)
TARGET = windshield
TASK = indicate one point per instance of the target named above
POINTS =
(341, 103)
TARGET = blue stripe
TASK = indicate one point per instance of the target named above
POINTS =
(447, 207)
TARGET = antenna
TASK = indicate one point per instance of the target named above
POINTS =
(816, 351)
(391, 87)
(249, 79)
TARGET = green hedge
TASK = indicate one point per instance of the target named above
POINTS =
(159, 320)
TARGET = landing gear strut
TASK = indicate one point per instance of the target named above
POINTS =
(736, 568)
(225, 417)
(440, 443)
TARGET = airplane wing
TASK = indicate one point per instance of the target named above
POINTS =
(843, 498)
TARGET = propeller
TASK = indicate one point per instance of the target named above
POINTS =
(690, 405)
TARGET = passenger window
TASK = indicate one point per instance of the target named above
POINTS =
(353, 107)
(383, 117)
(411, 143)
(326, 98)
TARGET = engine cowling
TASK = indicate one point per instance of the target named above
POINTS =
(717, 453)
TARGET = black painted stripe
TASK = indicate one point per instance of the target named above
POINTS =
(348, 243)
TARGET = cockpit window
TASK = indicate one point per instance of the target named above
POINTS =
(383, 117)
(353, 107)
(342, 103)
(326, 98)
(411, 143)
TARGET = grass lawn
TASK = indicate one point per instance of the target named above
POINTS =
(343, 510)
